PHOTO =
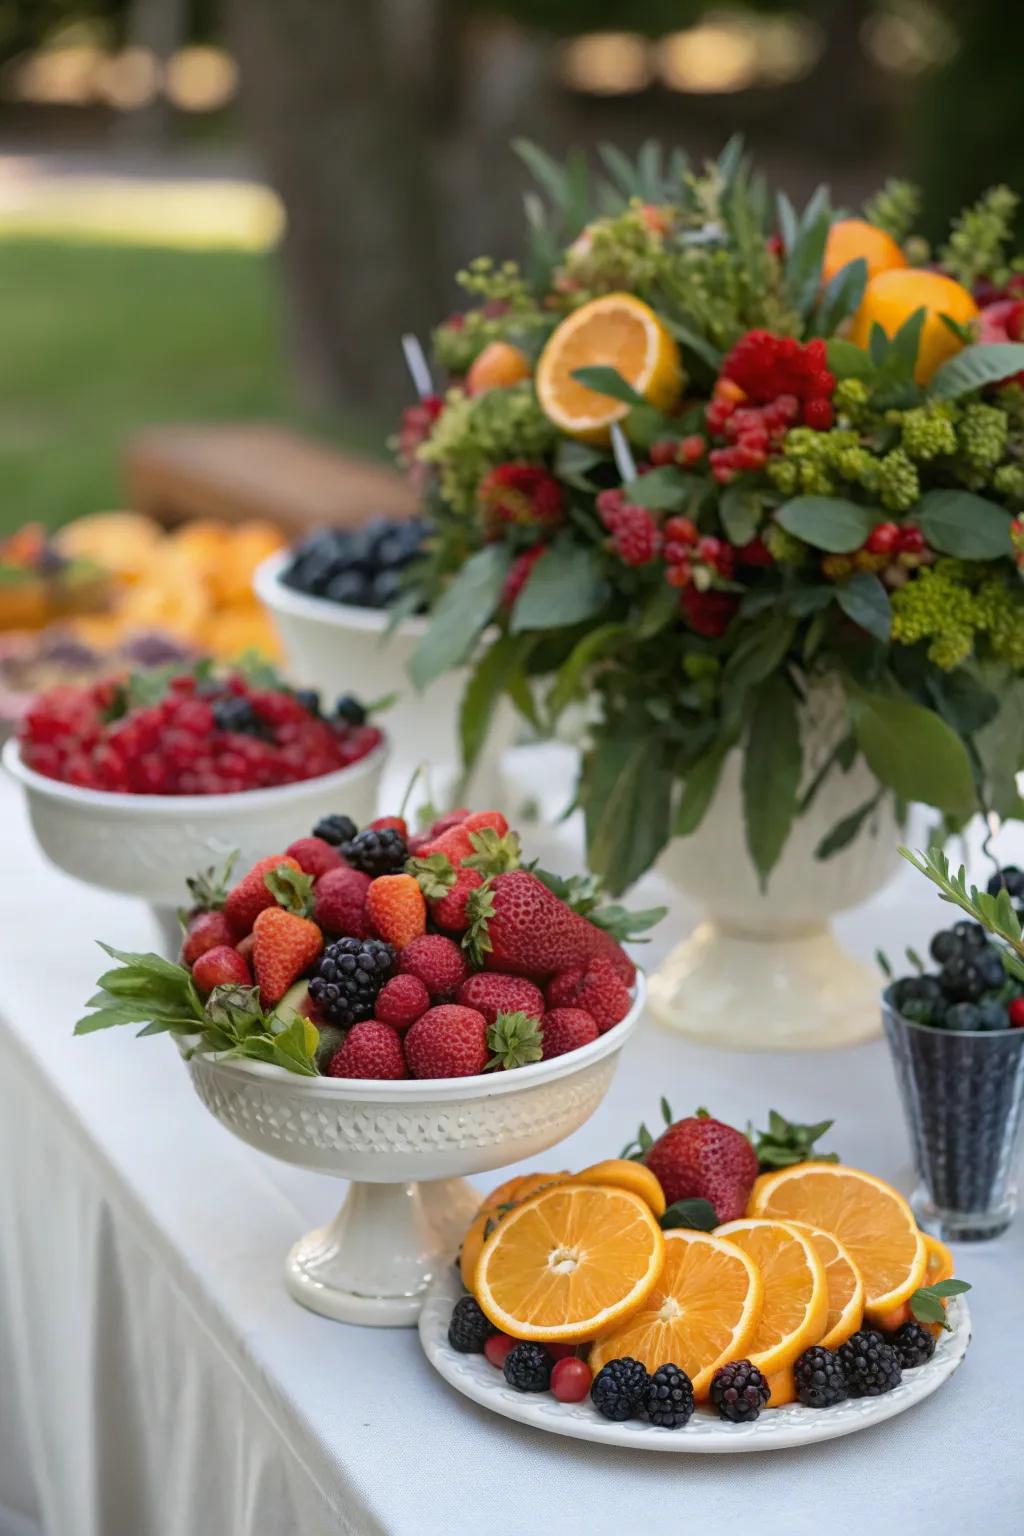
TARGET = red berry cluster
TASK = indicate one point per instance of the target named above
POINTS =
(176, 746)
(635, 534)
(526, 495)
(416, 426)
(895, 539)
(767, 385)
(678, 450)
(693, 559)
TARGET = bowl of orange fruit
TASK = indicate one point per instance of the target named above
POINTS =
(615, 1305)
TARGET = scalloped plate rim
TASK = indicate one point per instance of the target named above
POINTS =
(785, 1428)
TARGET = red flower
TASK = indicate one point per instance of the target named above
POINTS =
(527, 495)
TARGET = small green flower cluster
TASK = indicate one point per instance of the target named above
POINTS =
(927, 431)
(951, 603)
(723, 295)
(982, 434)
(473, 433)
(624, 252)
(894, 208)
(826, 463)
(503, 287)
(979, 237)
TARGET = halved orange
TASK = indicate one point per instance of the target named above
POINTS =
(871, 1219)
(570, 1262)
(624, 1173)
(494, 1207)
(845, 1286)
(702, 1312)
(795, 1307)
(618, 331)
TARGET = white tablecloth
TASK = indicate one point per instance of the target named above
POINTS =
(156, 1378)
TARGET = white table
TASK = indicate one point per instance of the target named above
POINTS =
(155, 1377)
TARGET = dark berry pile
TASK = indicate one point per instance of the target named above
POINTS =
(870, 1365)
(739, 1391)
(528, 1368)
(377, 851)
(620, 1389)
(349, 974)
(187, 735)
(363, 566)
(819, 1379)
(669, 1400)
(970, 988)
(913, 1343)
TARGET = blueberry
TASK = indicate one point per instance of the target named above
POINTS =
(1011, 877)
(944, 945)
(919, 1011)
(385, 587)
(350, 709)
(971, 935)
(309, 699)
(990, 967)
(991, 1014)
(965, 1016)
(961, 981)
(925, 989)
(349, 587)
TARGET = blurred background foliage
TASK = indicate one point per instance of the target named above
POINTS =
(230, 209)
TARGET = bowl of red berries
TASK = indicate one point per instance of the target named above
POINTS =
(398, 1010)
(133, 785)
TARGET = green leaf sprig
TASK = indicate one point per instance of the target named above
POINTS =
(926, 1302)
(995, 913)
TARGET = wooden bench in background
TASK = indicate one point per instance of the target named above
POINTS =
(234, 472)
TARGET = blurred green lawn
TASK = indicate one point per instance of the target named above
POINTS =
(98, 340)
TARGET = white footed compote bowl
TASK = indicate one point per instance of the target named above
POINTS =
(763, 970)
(327, 642)
(404, 1146)
(149, 845)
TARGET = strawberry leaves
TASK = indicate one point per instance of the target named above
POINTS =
(786, 1143)
(926, 1302)
(493, 854)
(291, 889)
(698, 1215)
(584, 893)
(515, 1039)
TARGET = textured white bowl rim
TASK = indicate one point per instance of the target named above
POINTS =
(271, 590)
(786, 1428)
(178, 805)
(427, 1089)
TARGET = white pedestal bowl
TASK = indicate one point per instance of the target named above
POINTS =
(148, 845)
(330, 645)
(763, 970)
(404, 1146)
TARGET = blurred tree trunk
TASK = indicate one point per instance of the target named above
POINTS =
(161, 27)
(345, 99)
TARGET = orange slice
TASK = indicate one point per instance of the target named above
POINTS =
(845, 1286)
(497, 1205)
(938, 1266)
(570, 1262)
(702, 1312)
(623, 1173)
(871, 1219)
(795, 1307)
(618, 331)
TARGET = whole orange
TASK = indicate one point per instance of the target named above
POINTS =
(496, 367)
(850, 238)
(892, 297)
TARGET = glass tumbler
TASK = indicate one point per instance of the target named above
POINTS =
(963, 1094)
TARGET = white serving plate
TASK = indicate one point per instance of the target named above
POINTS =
(404, 1146)
(706, 1434)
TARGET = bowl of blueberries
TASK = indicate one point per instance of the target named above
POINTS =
(955, 1030)
(330, 597)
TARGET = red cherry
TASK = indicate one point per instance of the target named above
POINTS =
(497, 1347)
(911, 540)
(882, 539)
(1016, 1012)
(570, 1380)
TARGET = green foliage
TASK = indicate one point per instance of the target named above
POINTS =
(786, 1143)
(979, 237)
(910, 749)
(895, 208)
(996, 914)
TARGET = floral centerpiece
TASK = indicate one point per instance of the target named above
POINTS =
(701, 452)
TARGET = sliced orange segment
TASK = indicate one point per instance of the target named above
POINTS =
(570, 1262)
(493, 1208)
(871, 1219)
(618, 331)
(845, 1286)
(795, 1306)
(623, 1173)
(702, 1312)
(782, 1387)
(938, 1266)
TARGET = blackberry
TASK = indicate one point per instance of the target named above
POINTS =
(376, 853)
(739, 1391)
(619, 1390)
(820, 1382)
(348, 977)
(1012, 878)
(309, 699)
(335, 829)
(350, 709)
(870, 1365)
(469, 1329)
(528, 1368)
(670, 1397)
(961, 980)
(913, 1344)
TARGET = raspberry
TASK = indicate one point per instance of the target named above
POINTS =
(636, 536)
(819, 415)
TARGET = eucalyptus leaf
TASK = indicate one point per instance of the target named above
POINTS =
(845, 831)
(960, 523)
(571, 679)
(740, 511)
(827, 522)
(463, 611)
(698, 791)
(975, 367)
(626, 804)
(486, 684)
(565, 587)
(605, 380)
(842, 296)
(772, 764)
(662, 490)
(864, 599)
(912, 750)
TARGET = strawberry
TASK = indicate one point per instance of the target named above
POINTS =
(566, 1029)
(314, 856)
(455, 844)
(449, 819)
(205, 931)
(252, 895)
(702, 1158)
(594, 987)
(400, 1001)
(446, 889)
(370, 1049)
(339, 903)
(396, 910)
(245, 948)
(438, 962)
(221, 966)
(447, 1041)
(491, 993)
(518, 925)
(396, 823)
(480, 819)
(285, 946)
